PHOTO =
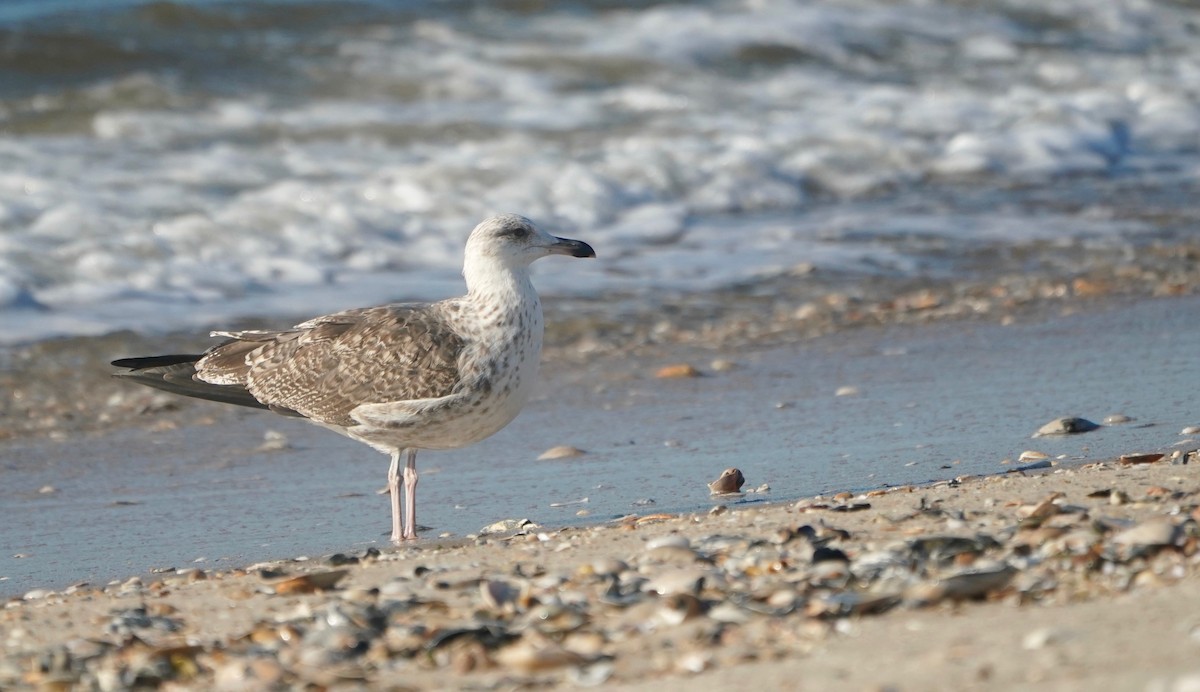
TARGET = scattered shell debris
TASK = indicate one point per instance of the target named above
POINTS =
(652, 597)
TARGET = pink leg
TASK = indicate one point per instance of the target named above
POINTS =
(410, 497)
(394, 493)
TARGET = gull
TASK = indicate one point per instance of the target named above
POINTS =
(398, 377)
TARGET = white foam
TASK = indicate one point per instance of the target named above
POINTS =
(657, 134)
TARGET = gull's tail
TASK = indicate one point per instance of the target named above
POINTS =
(176, 374)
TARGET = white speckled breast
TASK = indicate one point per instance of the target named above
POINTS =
(498, 370)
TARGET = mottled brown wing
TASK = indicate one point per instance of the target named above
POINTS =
(328, 366)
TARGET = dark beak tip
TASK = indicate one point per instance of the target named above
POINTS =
(575, 248)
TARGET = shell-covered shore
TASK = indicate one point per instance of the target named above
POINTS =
(773, 591)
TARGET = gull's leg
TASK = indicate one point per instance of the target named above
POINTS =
(394, 493)
(410, 497)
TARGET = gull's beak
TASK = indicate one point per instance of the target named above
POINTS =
(574, 248)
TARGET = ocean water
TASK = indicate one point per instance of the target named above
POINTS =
(176, 164)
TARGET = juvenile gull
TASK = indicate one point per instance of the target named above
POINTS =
(397, 377)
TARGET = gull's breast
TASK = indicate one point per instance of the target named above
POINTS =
(498, 371)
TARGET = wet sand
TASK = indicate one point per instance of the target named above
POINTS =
(930, 403)
(209, 485)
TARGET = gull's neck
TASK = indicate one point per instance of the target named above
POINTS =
(495, 282)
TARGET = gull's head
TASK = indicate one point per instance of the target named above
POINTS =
(515, 241)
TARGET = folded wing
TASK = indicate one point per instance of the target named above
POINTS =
(321, 369)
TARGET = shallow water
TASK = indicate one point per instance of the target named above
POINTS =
(933, 402)
(168, 165)
(185, 165)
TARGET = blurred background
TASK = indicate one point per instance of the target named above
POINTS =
(168, 165)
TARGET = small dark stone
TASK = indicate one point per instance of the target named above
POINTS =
(824, 554)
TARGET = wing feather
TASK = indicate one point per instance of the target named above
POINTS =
(326, 367)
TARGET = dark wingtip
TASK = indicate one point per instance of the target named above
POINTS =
(154, 361)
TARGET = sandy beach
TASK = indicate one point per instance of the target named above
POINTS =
(925, 274)
(1065, 579)
(1072, 565)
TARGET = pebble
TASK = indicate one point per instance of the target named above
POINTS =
(273, 441)
(1117, 419)
(530, 657)
(728, 613)
(679, 581)
(671, 540)
(677, 371)
(694, 662)
(1040, 638)
(590, 676)
(1159, 531)
(561, 452)
(1190, 430)
(846, 391)
(608, 567)
(1066, 426)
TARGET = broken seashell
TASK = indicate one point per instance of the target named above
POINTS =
(529, 657)
(1155, 532)
(677, 371)
(679, 607)
(506, 525)
(561, 452)
(731, 481)
(310, 583)
(501, 595)
(680, 581)
(1148, 458)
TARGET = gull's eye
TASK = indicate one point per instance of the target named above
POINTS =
(514, 232)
